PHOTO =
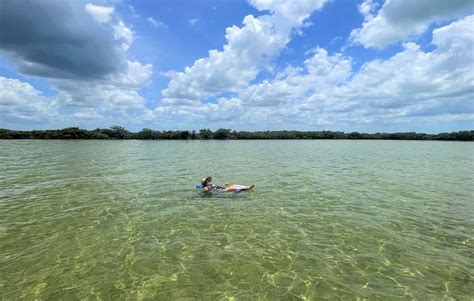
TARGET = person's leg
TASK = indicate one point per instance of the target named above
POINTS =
(237, 187)
(232, 187)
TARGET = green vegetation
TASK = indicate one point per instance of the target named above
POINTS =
(118, 132)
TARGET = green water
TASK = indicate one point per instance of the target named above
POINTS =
(340, 220)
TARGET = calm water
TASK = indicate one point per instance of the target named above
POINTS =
(328, 219)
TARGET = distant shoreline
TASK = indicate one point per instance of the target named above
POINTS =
(120, 133)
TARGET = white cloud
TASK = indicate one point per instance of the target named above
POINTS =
(443, 69)
(134, 76)
(133, 11)
(193, 21)
(267, 103)
(123, 35)
(367, 8)
(115, 97)
(101, 14)
(413, 83)
(403, 19)
(321, 72)
(224, 113)
(107, 96)
(156, 23)
(21, 103)
(67, 43)
(413, 87)
(249, 48)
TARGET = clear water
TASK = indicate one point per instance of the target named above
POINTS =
(328, 219)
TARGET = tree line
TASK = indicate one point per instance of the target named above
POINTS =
(118, 132)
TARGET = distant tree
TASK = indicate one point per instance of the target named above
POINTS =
(119, 132)
(222, 134)
(205, 134)
(464, 136)
(183, 135)
(69, 133)
(146, 134)
(99, 134)
(354, 135)
(6, 134)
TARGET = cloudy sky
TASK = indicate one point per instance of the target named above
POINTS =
(351, 65)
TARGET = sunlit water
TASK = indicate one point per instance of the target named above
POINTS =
(328, 219)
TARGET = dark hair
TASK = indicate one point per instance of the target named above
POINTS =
(206, 181)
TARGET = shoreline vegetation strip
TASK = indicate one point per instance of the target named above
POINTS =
(118, 132)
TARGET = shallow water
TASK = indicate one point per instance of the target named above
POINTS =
(327, 219)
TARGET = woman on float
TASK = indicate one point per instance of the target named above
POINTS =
(208, 186)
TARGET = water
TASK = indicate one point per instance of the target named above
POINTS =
(328, 219)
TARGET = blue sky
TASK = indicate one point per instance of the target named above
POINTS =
(351, 65)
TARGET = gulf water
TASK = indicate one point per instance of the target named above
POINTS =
(336, 220)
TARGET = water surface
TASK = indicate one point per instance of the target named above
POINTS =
(328, 219)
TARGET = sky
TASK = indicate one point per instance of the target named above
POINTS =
(347, 65)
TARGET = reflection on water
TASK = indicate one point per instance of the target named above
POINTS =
(328, 219)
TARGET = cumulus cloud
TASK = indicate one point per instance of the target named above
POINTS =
(411, 87)
(367, 8)
(57, 39)
(123, 36)
(226, 112)
(321, 72)
(247, 51)
(21, 103)
(101, 14)
(403, 19)
(81, 48)
(85, 60)
(270, 102)
(413, 82)
(113, 95)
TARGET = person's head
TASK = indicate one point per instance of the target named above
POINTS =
(206, 181)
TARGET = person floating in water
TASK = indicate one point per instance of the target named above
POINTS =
(208, 186)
